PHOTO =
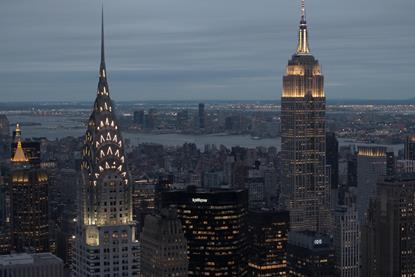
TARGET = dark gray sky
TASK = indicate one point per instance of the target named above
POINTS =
(199, 50)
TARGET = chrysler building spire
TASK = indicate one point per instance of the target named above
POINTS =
(303, 48)
(102, 66)
(105, 219)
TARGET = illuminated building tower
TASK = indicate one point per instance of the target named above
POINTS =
(409, 148)
(29, 204)
(31, 148)
(105, 240)
(304, 187)
(389, 237)
(163, 246)
(371, 164)
(268, 236)
(215, 226)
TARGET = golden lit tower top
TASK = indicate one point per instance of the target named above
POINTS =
(303, 48)
(19, 155)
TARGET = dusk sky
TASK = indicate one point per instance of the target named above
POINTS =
(202, 50)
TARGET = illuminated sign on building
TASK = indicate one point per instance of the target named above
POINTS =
(199, 200)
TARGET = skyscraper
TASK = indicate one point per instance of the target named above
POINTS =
(163, 246)
(268, 236)
(389, 243)
(31, 147)
(409, 148)
(105, 240)
(371, 164)
(215, 226)
(29, 204)
(304, 187)
(347, 238)
(201, 116)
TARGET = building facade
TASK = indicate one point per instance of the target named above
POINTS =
(105, 239)
(409, 148)
(31, 265)
(29, 204)
(310, 254)
(163, 246)
(346, 239)
(215, 226)
(268, 236)
(389, 238)
(371, 164)
(304, 188)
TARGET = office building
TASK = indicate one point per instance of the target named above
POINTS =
(310, 254)
(389, 236)
(105, 242)
(201, 116)
(347, 238)
(31, 265)
(163, 246)
(371, 164)
(304, 188)
(215, 226)
(29, 204)
(409, 148)
(268, 236)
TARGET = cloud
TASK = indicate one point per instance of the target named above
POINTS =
(174, 49)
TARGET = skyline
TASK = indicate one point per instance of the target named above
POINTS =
(194, 51)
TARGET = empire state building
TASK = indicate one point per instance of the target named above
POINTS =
(105, 240)
(304, 187)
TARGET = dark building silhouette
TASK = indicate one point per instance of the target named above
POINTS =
(304, 187)
(310, 254)
(4, 137)
(182, 120)
(5, 231)
(390, 163)
(409, 148)
(268, 236)
(201, 116)
(332, 158)
(163, 246)
(215, 226)
(352, 171)
(389, 235)
(138, 117)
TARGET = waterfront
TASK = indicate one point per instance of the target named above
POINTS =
(57, 127)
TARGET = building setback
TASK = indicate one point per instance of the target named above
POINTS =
(215, 226)
(163, 246)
